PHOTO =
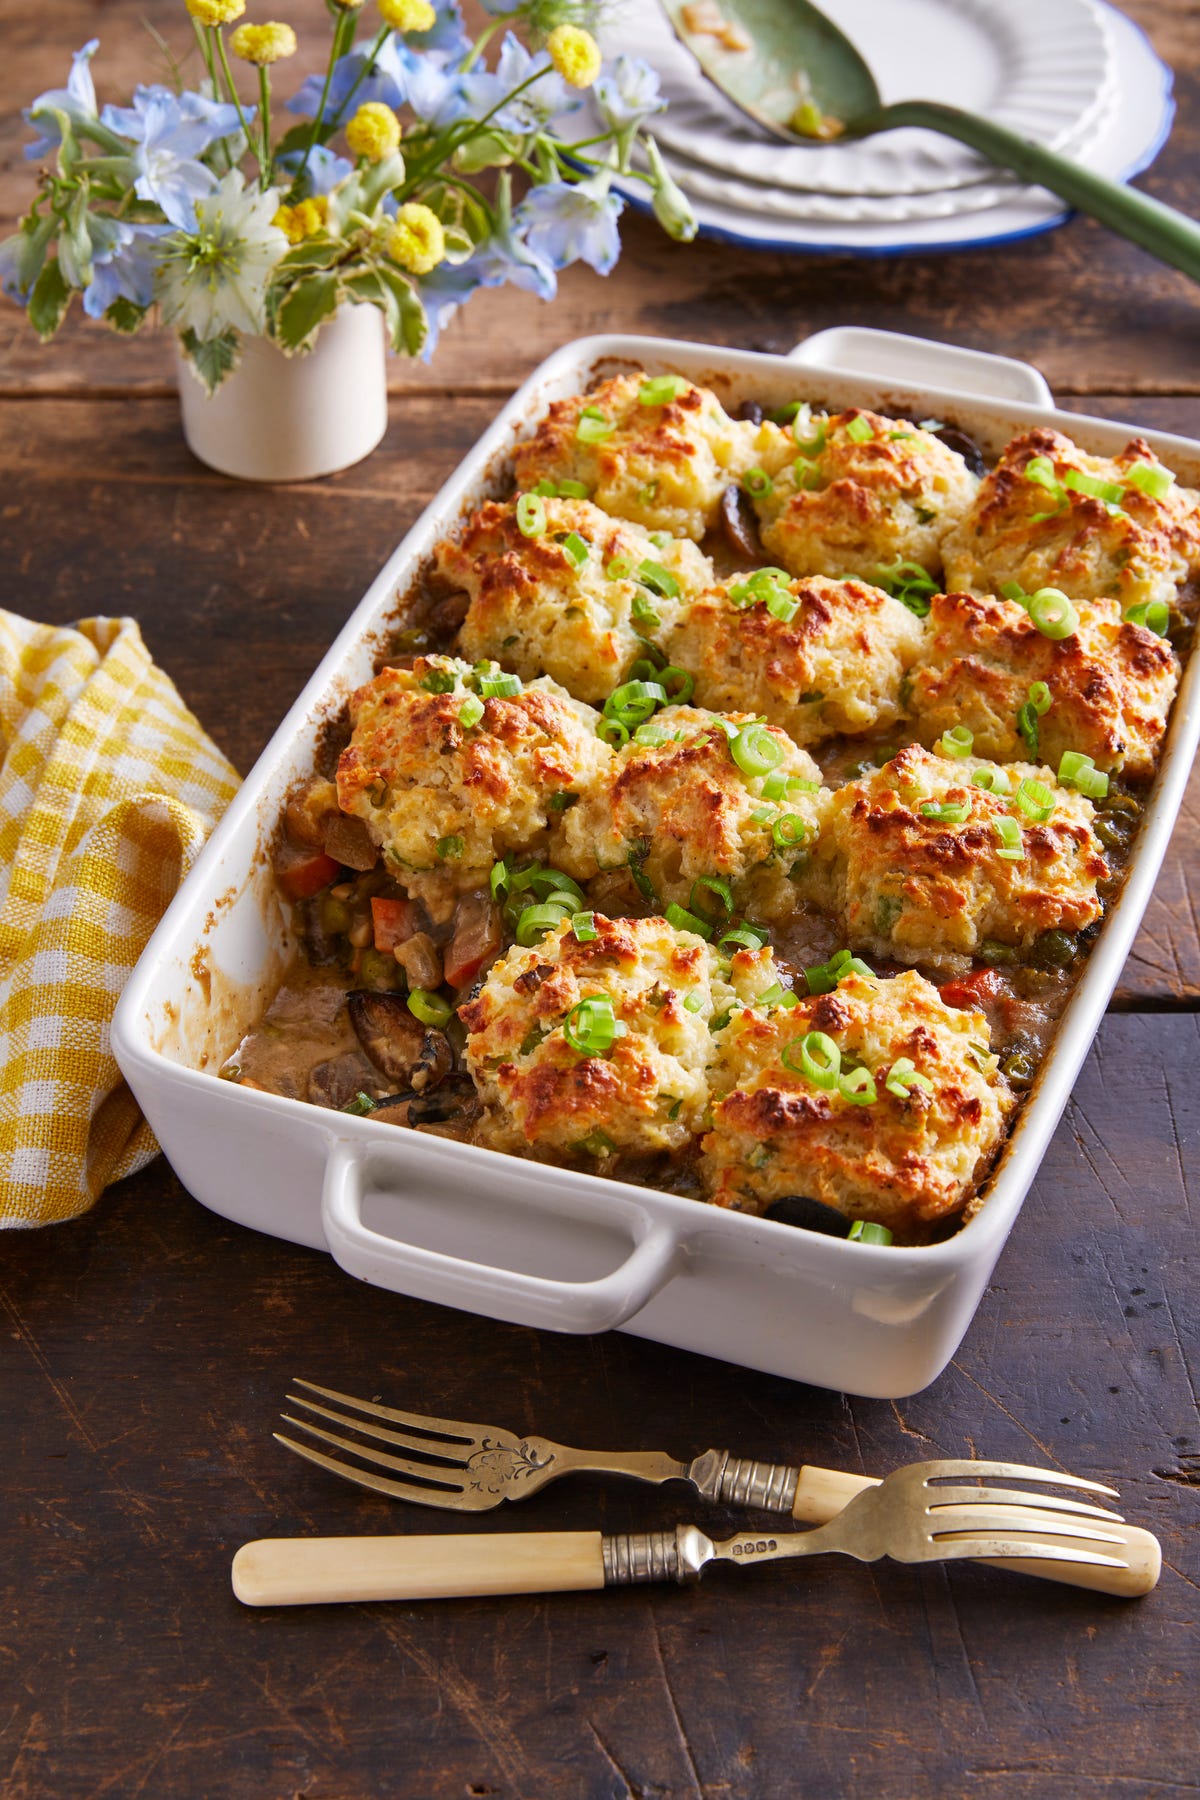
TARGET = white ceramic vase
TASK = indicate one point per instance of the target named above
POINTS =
(292, 418)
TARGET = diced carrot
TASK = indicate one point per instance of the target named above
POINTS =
(973, 990)
(477, 938)
(395, 922)
(303, 873)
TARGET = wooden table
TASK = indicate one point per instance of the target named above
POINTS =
(146, 1349)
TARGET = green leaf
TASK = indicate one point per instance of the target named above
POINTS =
(49, 301)
(314, 253)
(297, 138)
(380, 179)
(407, 325)
(488, 149)
(345, 199)
(212, 358)
(124, 316)
(304, 307)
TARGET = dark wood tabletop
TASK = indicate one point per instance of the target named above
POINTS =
(146, 1349)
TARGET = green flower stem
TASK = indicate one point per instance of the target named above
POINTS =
(376, 47)
(233, 94)
(445, 147)
(264, 123)
(481, 42)
(343, 38)
(210, 65)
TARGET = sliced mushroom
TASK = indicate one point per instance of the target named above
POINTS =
(615, 893)
(403, 1050)
(421, 961)
(965, 444)
(307, 813)
(751, 412)
(739, 524)
(456, 1100)
(445, 616)
(808, 1215)
(478, 935)
(348, 841)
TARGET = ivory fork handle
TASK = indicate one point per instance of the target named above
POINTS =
(822, 1493)
(312, 1571)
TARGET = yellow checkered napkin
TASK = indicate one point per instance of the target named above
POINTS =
(108, 788)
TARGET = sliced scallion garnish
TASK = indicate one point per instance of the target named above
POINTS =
(903, 1076)
(531, 515)
(431, 1009)
(859, 429)
(755, 751)
(1052, 613)
(470, 712)
(583, 924)
(858, 1087)
(660, 390)
(593, 426)
(1035, 800)
(1155, 615)
(499, 687)
(682, 920)
(575, 548)
(816, 1057)
(1012, 848)
(450, 848)
(956, 742)
(865, 1231)
(946, 812)
(1152, 479)
(591, 1027)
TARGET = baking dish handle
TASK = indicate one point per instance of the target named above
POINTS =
(500, 1293)
(894, 356)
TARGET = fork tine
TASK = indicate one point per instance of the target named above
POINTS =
(950, 1496)
(1003, 1549)
(1016, 1472)
(424, 1446)
(443, 1479)
(380, 1484)
(961, 1520)
(443, 1428)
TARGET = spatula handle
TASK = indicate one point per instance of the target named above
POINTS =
(1165, 233)
(315, 1571)
(822, 1493)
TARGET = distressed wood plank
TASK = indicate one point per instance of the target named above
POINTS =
(147, 1349)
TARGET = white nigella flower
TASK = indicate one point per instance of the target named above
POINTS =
(214, 278)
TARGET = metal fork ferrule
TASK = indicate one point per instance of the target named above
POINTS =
(768, 1486)
(631, 1556)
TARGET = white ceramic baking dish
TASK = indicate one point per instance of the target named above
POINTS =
(554, 1247)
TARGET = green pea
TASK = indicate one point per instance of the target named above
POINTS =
(1054, 950)
(1019, 1068)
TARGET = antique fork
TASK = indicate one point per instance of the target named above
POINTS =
(908, 1516)
(472, 1468)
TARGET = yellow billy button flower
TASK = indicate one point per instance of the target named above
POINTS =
(416, 240)
(303, 220)
(575, 54)
(215, 12)
(374, 131)
(408, 15)
(263, 44)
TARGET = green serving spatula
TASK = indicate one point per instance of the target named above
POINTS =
(802, 80)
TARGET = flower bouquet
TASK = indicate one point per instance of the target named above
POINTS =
(392, 185)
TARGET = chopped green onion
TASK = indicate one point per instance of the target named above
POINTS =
(633, 702)
(1155, 615)
(536, 921)
(596, 1143)
(683, 920)
(1052, 613)
(575, 548)
(782, 606)
(499, 878)
(1041, 470)
(470, 712)
(583, 924)
(957, 742)
(903, 1076)
(758, 483)
(816, 1057)
(744, 937)
(807, 475)
(531, 515)
(1027, 725)
(660, 390)
(449, 849)
(611, 731)
(1109, 491)
(545, 488)
(788, 830)
(1079, 771)
(647, 495)
(618, 568)
(711, 884)
(809, 446)
(859, 429)
(651, 736)
(1035, 800)
(360, 1105)
(499, 687)
(645, 670)
(658, 580)
(440, 681)
(858, 1087)
(908, 582)
(679, 684)
(946, 812)
(865, 1231)
(573, 490)
(778, 995)
(1152, 479)
(431, 1009)
(774, 786)
(1039, 698)
(593, 426)
(1012, 590)
(1012, 847)
(992, 781)
(791, 411)
(546, 883)
(642, 612)
(591, 1027)
(694, 1002)
(755, 751)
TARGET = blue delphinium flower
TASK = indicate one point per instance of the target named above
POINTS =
(567, 224)
(324, 169)
(446, 38)
(436, 92)
(386, 81)
(77, 100)
(125, 270)
(627, 93)
(487, 91)
(171, 132)
(442, 292)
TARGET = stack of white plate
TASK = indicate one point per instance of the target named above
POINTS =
(1076, 75)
